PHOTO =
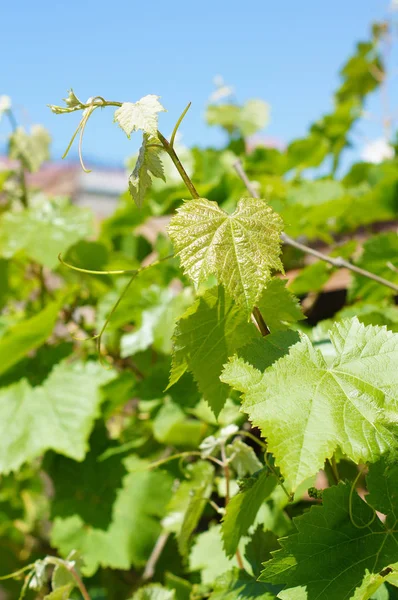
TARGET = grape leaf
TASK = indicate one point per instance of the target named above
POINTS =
(253, 116)
(44, 230)
(239, 585)
(172, 427)
(246, 119)
(210, 331)
(241, 249)
(27, 335)
(61, 575)
(157, 323)
(263, 352)
(154, 591)
(331, 553)
(349, 404)
(278, 306)
(208, 556)
(380, 257)
(135, 526)
(58, 415)
(199, 493)
(87, 489)
(259, 548)
(148, 163)
(199, 476)
(373, 586)
(32, 150)
(61, 593)
(242, 509)
(243, 458)
(133, 116)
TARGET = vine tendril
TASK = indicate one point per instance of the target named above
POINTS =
(350, 506)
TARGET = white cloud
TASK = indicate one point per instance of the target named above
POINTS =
(376, 151)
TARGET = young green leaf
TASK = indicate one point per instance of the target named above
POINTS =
(380, 257)
(243, 458)
(97, 481)
(58, 415)
(31, 149)
(210, 331)
(143, 115)
(148, 163)
(27, 335)
(350, 404)
(241, 249)
(46, 229)
(259, 548)
(278, 306)
(61, 593)
(72, 103)
(199, 477)
(239, 585)
(133, 531)
(154, 591)
(208, 556)
(157, 323)
(243, 508)
(338, 544)
(198, 496)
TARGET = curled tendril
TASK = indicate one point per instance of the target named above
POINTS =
(173, 135)
(350, 506)
(88, 110)
(133, 272)
(92, 272)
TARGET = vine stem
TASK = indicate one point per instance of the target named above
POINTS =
(178, 165)
(338, 261)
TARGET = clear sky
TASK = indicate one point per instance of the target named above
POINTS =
(285, 52)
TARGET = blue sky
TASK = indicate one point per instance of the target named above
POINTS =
(287, 53)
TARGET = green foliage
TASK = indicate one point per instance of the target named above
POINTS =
(168, 441)
(349, 404)
(238, 585)
(241, 249)
(210, 330)
(27, 335)
(148, 163)
(58, 415)
(244, 120)
(132, 532)
(57, 225)
(140, 115)
(32, 150)
(243, 508)
(340, 541)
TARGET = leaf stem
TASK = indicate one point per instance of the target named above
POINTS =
(259, 321)
(79, 581)
(338, 261)
(253, 437)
